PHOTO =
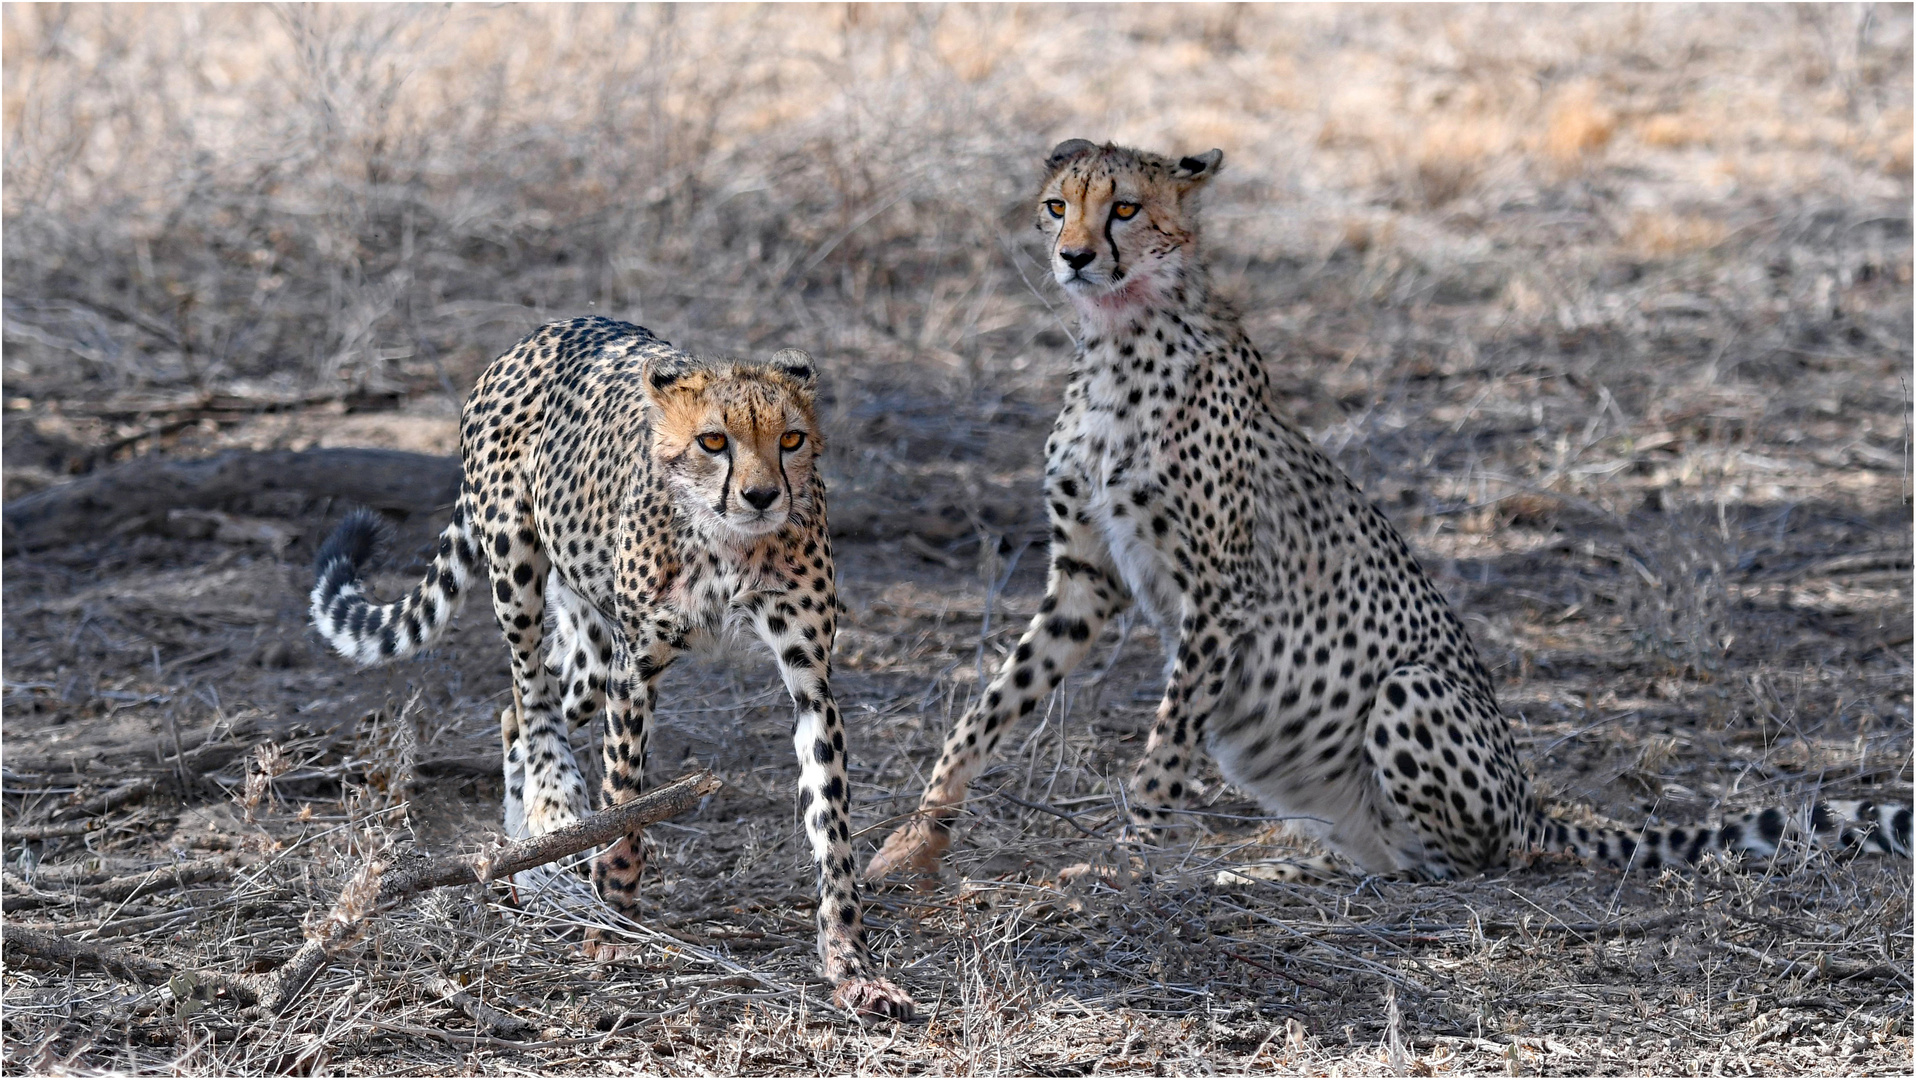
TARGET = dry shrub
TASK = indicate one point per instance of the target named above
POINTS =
(387, 744)
(1672, 131)
(372, 198)
(1678, 608)
(1450, 157)
(1577, 129)
(1655, 234)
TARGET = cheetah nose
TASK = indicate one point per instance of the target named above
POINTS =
(760, 498)
(1077, 259)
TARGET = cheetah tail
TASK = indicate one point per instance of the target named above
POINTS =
(1846, 827)
(371, 633)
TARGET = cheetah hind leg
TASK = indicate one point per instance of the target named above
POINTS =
(562, 793)
(565, 882)
(1451, 790)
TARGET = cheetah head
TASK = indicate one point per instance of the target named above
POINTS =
(737, 441)
(1122, 224)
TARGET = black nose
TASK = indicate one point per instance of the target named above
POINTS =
(1077, 260)
(760, 498)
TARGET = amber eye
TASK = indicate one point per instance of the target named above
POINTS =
(1124, 211)
(1055, 207)
(713, 443)
(791, 440)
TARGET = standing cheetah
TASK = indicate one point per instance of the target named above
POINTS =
(1312, 656)
(656, 500)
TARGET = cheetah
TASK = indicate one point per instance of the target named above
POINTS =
(1308, 651)
(656, 501)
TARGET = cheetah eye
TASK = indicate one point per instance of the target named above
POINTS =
(1055, 207)
(713, 443)
(791, 440)
(1124, 211)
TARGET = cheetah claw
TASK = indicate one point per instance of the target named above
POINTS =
(874, 999)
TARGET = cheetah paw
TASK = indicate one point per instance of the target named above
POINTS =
(912, 851)
(1312, 870)
(874, 999)
(1115, 876)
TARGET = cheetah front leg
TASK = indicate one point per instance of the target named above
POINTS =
(1082, 593)
(631, 697)
(1162, 781)
(800, 636)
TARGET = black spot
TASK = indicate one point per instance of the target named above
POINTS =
(1395, 692)
(1769, 824)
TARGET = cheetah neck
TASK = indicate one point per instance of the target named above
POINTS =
(1135, 362)
(1134, 308)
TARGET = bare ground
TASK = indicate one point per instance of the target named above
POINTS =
(1648, 430)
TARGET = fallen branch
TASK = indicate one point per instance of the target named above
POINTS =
(113, 890)
(491, 1021)
(179, 875)
(129, 792)
(603, 827)
(28, 948)
(1823, 966)
(379, 886)
(48, 832)
(96, 503)
(374, 888)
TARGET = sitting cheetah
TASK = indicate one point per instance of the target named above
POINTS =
(657, 500)
(1312, 656)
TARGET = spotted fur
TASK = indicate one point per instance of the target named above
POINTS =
(651, 500)
(1309, 653)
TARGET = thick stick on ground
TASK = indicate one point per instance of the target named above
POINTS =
(277, 990)
(399, 882)
(673, 799)
(52, 950)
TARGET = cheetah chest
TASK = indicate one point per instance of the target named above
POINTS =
(1122, 500)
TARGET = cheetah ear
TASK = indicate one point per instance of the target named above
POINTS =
(663, 372)
(1197, 168)
(1067, 150)
(796, 364)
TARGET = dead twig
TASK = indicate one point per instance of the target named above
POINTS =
(1824, 967)
(671, 800)
(130, 792)
(49, 832)
(380, 885)
(491, 1021)
(31, 948)
(30, 895)
(179, 875)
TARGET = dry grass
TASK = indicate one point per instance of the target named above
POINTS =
(1610, 308)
